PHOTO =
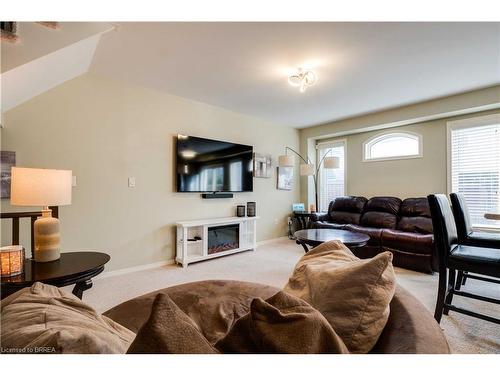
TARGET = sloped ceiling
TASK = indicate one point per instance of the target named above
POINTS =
(243, 67)
(361, 67)
(44, 58)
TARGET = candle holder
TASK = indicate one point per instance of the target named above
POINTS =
(240, 211)
(251, 209)
(11, 260)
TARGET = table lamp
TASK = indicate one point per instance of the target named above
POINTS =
(42, 187)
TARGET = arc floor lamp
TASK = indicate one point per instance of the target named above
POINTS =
(307, 168)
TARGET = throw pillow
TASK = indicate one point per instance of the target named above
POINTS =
(169, 330)
(353, 294)
(281, 324)
(45, 319)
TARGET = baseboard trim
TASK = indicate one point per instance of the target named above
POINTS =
(142, 267)
(271, 240)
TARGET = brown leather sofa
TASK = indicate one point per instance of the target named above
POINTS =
(214, 305)
(403, 227)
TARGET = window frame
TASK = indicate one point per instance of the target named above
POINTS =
(470, 122)
(389, 134)
(319, 146)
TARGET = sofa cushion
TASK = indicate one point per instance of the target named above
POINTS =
(282, 324)
(381, 212)
(408, 241)
(353, 294)
(348, 204)
(383, 204)
(170, 331)
(378, 220)
(341, 217)
(374, 233)
(415, 216)
(45, 316)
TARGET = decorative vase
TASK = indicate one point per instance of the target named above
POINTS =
(240, 211)
(251, 208)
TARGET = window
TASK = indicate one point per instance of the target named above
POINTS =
(331, 182)
(474, 165)
(400, 145)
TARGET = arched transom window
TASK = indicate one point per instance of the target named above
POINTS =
(397, 145)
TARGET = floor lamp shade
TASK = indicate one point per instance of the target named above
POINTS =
(286, 161)
(307, 170)
(331, 162)
(42, 187)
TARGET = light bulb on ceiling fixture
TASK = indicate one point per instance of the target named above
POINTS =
(302, 79)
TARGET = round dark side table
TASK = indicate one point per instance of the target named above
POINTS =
(315, 237)
(72, 268)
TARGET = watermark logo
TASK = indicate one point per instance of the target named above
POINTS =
(28, 350)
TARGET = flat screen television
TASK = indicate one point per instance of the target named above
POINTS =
(206, 165)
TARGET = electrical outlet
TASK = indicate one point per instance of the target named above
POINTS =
(131, 182)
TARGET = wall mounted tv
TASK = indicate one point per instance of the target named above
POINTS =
(206, 165)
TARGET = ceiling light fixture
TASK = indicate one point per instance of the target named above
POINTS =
(302, 79)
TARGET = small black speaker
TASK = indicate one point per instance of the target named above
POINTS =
(251, 209)
(216, 195)
(240, 211)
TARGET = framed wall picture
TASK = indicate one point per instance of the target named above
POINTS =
(298, 207)
(262, 165)
(7, 161)
(285, 178)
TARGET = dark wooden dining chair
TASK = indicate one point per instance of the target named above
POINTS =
(466, 236)
(453, 257)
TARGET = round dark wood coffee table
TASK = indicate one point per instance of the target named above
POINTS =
(315, 237)
(72, 268)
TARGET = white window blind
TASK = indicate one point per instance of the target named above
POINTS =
(331, 181)
(475, 168)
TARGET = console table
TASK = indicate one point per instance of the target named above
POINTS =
(300, 220)
(199, 240)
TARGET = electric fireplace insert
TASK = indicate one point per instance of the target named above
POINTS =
(223, 238)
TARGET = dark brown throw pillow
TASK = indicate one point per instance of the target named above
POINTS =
(281, 324)
(169, 330)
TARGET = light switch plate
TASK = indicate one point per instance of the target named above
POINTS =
(131, 182)
(73, 181)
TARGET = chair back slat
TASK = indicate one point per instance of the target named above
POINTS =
(445, 230)
(15, 231)
(461, 214)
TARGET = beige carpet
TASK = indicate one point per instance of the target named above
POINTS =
(273, 262)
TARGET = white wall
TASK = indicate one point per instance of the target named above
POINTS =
(106, 131)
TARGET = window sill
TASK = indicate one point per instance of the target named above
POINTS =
(388, 158)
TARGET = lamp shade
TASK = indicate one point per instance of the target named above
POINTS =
(286, 161)
(331, 162)
(40, 187)
(307, 170)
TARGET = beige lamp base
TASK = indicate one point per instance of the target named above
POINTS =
(47, 237)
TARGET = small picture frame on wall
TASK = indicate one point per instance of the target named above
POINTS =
(262, 165)
(7, 161)
(285, 178)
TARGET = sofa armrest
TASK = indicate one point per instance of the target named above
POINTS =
(319, 216)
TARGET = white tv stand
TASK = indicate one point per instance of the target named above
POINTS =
(194, 251)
